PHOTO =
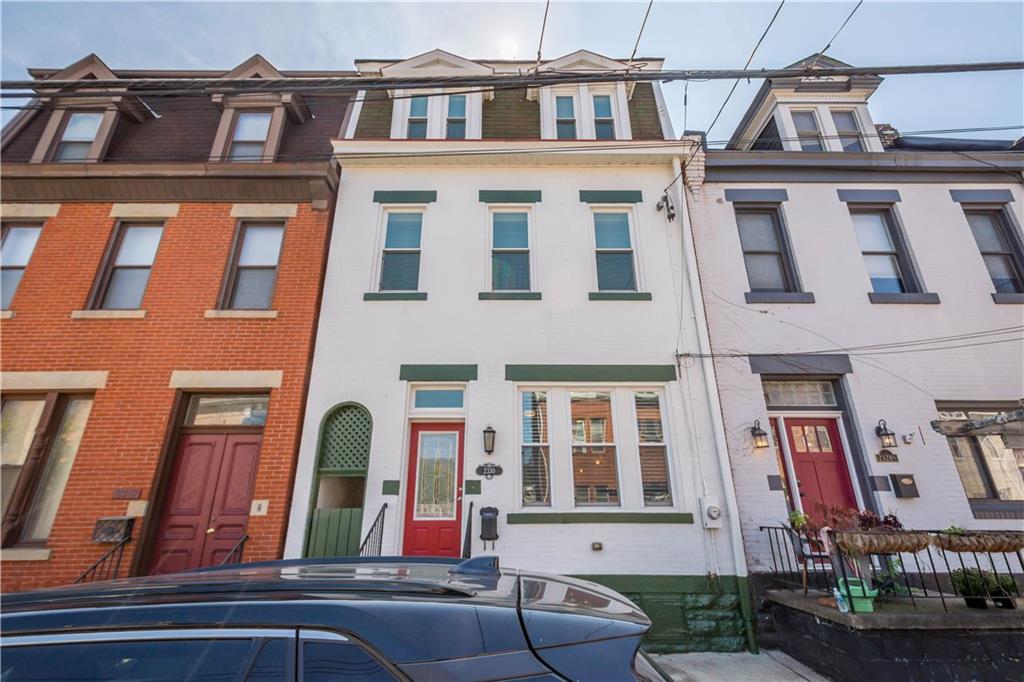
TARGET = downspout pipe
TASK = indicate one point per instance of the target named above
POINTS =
(699, 318)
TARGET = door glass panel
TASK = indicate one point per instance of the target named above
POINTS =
(798, 438)
(227, 410)
(438, 398)
(436, 471)
(17, 429)
(799, 393)
(811, 437)
(823, 440)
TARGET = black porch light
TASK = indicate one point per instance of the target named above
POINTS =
(759, 435)
(887, 437)
(489, 433)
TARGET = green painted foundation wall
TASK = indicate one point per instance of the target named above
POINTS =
(688, 612)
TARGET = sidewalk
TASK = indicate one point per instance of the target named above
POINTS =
(768, 666)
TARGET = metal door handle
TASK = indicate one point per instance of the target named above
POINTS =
(210, 530)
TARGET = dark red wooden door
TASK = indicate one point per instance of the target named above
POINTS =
(433, 509)
(208, 499)
(819, 464)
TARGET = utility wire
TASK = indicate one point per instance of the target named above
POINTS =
(836, 35)
(636, 45)
(543, 27)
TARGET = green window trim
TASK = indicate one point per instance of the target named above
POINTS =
(617, 373)
(395, 296)
(510, 196)
(405, 196)
(598, 517)
(619, 296)
(437, 373)
(614, 196)
(509, 296)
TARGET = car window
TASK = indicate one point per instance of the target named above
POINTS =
(272, 662)
(127, 661)
(328, 661)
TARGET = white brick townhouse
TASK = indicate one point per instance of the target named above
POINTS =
(503, 309)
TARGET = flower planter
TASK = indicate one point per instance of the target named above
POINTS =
(980, 542)
(857, 591)
(1005, 602)
(976, 602)
(881, 542)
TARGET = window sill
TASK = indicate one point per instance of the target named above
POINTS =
(779, 297)
(1008, 298)
(509, 296)
(25, 554)
(925, 298)
(395, 296)
(598, 517)
(997, 509)
(108, 314)
(6, 314)
(241, 314)
(619, 296)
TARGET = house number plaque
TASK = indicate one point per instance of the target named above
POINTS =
(887, 456)
(489, 470)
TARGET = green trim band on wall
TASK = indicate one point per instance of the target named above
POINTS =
(590, 372)
(509, 296)
(510, 196)
(390, 488)
(612, 196)
(437, 373)
(395, 296)
(619, 296)
(598, 517)
(422, 196)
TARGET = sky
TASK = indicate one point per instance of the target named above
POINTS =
(330, 35)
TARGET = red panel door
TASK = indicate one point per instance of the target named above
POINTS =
(208, 498)
(433, 509)
(820, 465)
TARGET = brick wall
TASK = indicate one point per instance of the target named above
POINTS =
(129, 419)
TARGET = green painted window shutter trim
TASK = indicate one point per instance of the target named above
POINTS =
(510, 196)
(509, 295)
(405, 196)
(471, 487)
(613, 196)
(620, 296)
(590, 372)
(395, 296)
(390, 488)
(598, 517)
(437, 373)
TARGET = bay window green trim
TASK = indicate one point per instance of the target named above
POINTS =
(614, 196)
(619, 296)
(619, 373)
(437, 373)
(510, 196)
(395, 296)
(597, 517)
(509, 296)
(405, 196)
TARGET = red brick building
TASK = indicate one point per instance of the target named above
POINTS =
(162, 265)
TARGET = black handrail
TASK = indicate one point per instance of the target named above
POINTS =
(467, 541)
(108, 565)
(235, 555)
(375, 536)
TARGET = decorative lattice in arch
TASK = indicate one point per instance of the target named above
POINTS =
(345, 440)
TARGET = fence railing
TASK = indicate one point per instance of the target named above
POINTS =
(235, 555)
(467, 540)
(371, 544)
(107, 566)
(904, 566)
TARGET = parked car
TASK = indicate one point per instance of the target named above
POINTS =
(327, 619)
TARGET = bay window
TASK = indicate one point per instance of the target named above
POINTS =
(595, 479)
(988, 458)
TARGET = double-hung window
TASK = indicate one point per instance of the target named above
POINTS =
(79, 133)
(32, 488)
(807, 131)
(886, 258)
(253, 270)
(416, 129)
(510, 251)
(848, 131)
(249, 137)
(455, 125)
(400, 263)
(653, 450)
(604, 119)
(594, 470)
(123, 282)
(18, 243)
(536, 454)
(998, 249)
(990, 464)
(616, 269)
(765, 255)
(565, 117)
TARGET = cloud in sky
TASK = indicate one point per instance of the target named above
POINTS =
(325, 35)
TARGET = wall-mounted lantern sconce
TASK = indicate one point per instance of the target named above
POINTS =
(489, 433)
(887, 437)
(759, 435)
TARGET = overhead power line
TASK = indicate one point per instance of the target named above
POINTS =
(836, 34)
(543, 27)
(643, 25)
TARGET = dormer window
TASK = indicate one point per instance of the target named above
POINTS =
(604, 119)
(418, 108)
(848, 131)
(807, 131)
(250, 136)
(565, 117)
(455, 126)
(79, 133)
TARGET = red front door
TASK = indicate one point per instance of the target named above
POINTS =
(433, 506)
(820, 465)
(208, 500)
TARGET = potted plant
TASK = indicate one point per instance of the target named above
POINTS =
(973, 585)
(1003, 589)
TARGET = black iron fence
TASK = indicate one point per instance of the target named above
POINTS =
(467, 540)
(108, 566)
(235, 555)
(979, 567)
(374, 539)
